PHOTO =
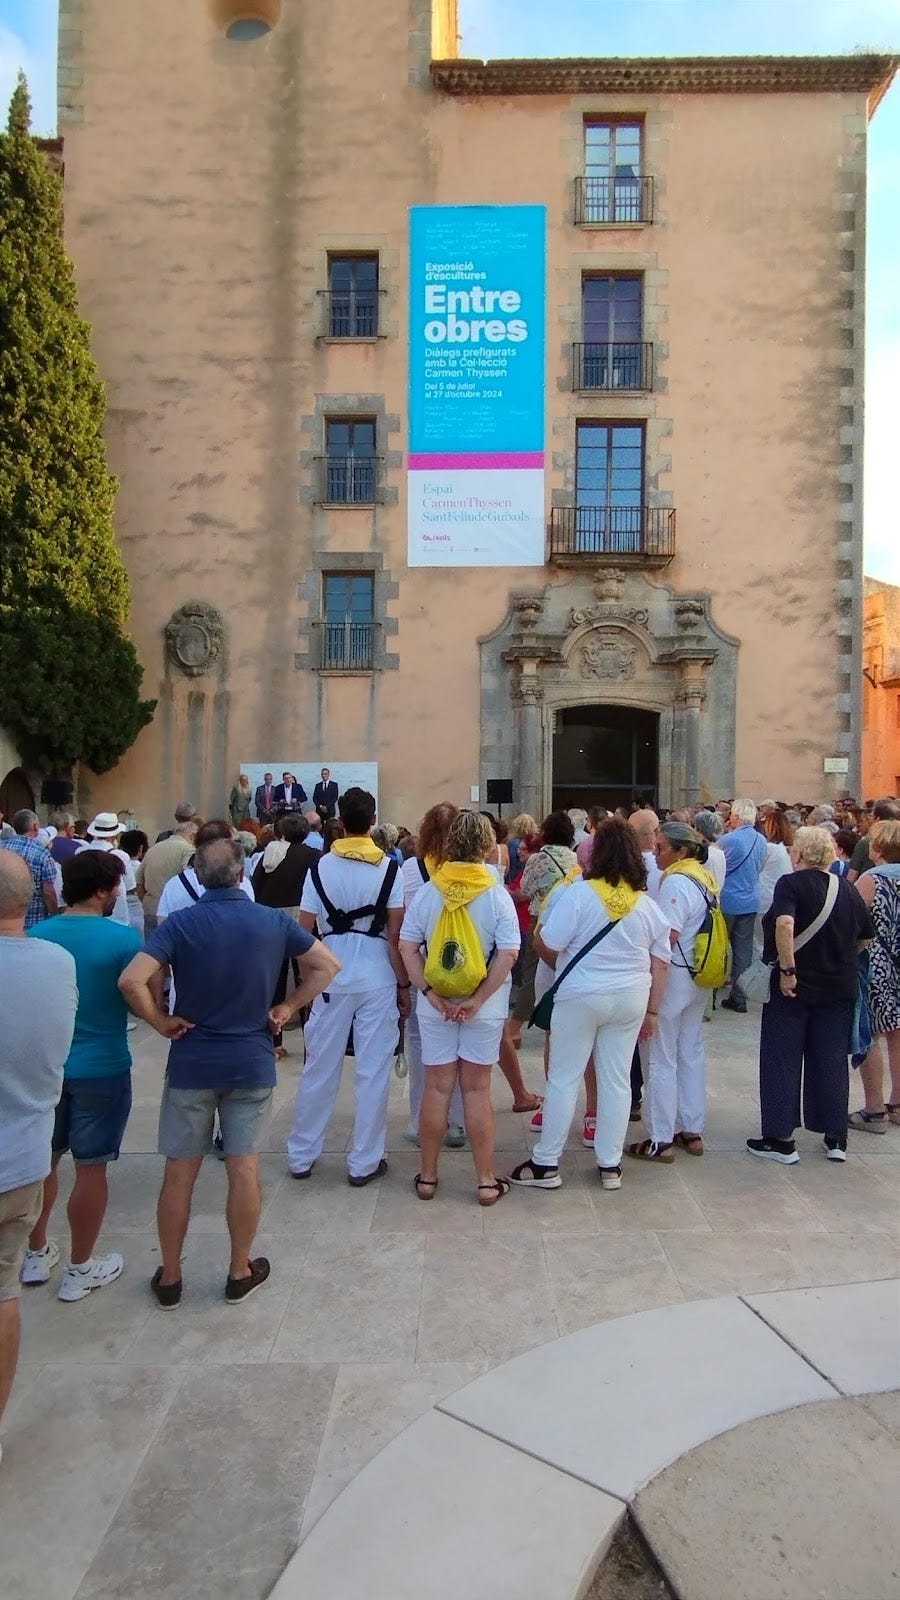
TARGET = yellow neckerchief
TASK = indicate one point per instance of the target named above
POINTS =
(618, 898)
(358, 848)
(431, 865)
(571, 875)
(460, 881)
(694, 869)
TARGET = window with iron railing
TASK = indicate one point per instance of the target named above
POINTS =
(348, 622)
(613, 188)
(352, 297)
(348, 472)
(612, 354)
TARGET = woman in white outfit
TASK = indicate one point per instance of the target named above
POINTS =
(675, 1092)
(709, 826)
(430, 847)
(461, 1038)
(608, 999)
(777, 864)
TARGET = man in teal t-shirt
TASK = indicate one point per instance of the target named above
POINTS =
(96, 1095)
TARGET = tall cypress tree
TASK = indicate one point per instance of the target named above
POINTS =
(69, 675)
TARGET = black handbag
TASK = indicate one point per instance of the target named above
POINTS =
(543, 1011)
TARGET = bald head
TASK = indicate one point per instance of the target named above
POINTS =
(646, 825)
(16, 889)
(219, 864)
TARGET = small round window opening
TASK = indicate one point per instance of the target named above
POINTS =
(243, 21)
(244, 29)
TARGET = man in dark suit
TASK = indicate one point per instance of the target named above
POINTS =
(265, 800)
(325, 796)
(289, 794)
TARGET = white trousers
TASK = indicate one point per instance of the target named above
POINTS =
(605, 1025)
(416, 1079)
(675, 1096)
(376, 1032)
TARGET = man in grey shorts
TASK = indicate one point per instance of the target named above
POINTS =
(225, 954)
(37, 1019)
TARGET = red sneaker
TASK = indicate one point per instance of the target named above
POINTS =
(588, 1129)
(537, 1121)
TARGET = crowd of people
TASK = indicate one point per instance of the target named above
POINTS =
(434, 948)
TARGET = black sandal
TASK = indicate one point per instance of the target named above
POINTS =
(428, 1183)
(498, 1189)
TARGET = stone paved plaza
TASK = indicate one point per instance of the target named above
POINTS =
(184, 1456)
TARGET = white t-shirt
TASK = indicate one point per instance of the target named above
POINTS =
(682, 901)
(126, 884)
(777, 865)
(366, 962)
(494, 919)
(411, 873)
(622, 961)
(717, 863)
(654, 872)
(175, 896)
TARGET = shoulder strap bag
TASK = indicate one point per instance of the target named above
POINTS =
(186, 884)
(756, 982)
(543, 1012)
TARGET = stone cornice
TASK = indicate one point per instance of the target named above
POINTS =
(859, 74)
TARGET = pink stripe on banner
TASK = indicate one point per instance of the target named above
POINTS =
(474, 461)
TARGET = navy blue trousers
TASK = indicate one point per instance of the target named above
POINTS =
(808, 1046)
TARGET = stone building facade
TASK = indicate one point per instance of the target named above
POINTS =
(226, 162)
(881, 690)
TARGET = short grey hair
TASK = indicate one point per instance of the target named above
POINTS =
(385, 835)
(219, 864)
(24, 821)
(745, 809)
(184, 811)
(61, 820)
(247, 842)
(16, 884)
(815, 846)
(577, 817)
(709, 824)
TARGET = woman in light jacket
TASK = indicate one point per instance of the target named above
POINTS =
(609, 999)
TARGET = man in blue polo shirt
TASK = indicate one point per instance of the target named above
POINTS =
(225, 954)
(745, 852)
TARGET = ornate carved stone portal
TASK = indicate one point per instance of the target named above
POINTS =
(609, 637)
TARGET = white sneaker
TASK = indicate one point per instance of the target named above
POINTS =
(77, 1282)
(38, 1264)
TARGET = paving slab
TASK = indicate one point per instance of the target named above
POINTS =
(215, 1509)
(800, 1506)
(70, 1452)
(445, 1512)
(849, 1332)
(620, 1401)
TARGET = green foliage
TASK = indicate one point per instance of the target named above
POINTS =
(69, 675)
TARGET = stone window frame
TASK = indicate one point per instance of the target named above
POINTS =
(314, 278)
(390, 460)
(654, 150)
(312, 591)
(348, 253)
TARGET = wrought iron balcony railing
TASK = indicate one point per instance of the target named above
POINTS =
(618, 535)
(348, 646)
(351, 314)
(611, 202)
(345, 481)
(612, 366)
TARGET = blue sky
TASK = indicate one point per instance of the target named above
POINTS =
(660, 27)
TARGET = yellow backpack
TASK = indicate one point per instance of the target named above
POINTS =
(455, 964)
(710, 963)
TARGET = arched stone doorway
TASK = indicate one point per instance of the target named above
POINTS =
(609, 638)
(604, 755)
(16, 794)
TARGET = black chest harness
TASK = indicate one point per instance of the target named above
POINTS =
(340, 921)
